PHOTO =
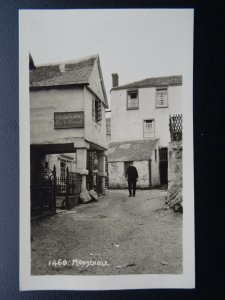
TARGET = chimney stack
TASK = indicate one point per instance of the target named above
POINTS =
(31, 62)
(115, 80)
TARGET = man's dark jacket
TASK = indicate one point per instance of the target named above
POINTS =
(132, 173)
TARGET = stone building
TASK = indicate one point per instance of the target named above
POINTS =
(144, 154)
(67, 118)
(140, 116)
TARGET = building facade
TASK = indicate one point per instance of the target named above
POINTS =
(140, 112)
(67, 118)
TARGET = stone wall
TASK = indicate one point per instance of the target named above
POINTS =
(116, 175)
(175, 177)
(117, 178)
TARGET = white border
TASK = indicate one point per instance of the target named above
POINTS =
(66, 282)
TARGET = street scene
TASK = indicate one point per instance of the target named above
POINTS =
(106, 144)
(137, 235)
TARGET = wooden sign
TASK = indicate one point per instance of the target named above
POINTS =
(73, 119)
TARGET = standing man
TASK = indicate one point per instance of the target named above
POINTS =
(132, 176)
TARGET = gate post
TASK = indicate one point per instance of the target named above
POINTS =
(67, 189)
(101, 172)
(54, 189)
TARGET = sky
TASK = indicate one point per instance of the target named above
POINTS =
(136, 44)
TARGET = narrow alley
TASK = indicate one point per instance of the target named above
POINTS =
(116, 235)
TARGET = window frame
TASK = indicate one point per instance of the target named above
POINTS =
(156, 98)
(129, 92)
(96, 114)
(148, 137)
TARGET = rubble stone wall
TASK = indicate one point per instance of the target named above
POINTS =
(175, 176)
(117, 178)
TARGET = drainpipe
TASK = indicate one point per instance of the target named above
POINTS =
(150, 173)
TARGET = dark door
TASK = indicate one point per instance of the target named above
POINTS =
(163, 165)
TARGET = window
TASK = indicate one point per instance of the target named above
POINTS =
(132, 100)
(96, 110)
(149, 128)
(126, 165)
(162, 97)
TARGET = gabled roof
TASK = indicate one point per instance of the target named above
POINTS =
(131, 150)
(64, 74)
(152, 82)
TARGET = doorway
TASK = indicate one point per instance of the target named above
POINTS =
(163, 166)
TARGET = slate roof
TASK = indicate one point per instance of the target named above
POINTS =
(62, 74)
(152, 82)
(131, 150)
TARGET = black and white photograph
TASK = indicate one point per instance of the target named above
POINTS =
(106, 149)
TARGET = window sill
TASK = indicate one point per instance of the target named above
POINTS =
(133, 108)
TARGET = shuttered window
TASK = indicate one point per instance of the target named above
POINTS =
(96, 110)
(132, 100)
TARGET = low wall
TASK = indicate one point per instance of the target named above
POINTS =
(175, 176)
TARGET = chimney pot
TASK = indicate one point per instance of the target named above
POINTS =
(31, 62)
(115, 80)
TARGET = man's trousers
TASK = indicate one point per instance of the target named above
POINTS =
(132, 185)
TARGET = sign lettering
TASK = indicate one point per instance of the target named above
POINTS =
(63, 120)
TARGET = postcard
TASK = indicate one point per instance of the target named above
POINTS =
(106, 149)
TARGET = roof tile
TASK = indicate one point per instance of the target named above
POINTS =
(131, 150)
(62, 74)
(152, 82)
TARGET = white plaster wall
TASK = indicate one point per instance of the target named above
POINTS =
(43, 104)
(143, 174)
(116, 175)
(54, 159)
(94, 132)
(128, 124)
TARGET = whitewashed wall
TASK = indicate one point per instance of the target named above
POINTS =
(155, 176)
(43, 105)
(94, 132)
(128, 124)
(55, 159)
(143, 174)
(117, 176)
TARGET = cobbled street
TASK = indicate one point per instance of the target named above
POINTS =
(125, 235)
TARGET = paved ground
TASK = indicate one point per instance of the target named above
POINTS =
(116, 235)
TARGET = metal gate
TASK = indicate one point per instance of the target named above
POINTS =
(43, 193)
(67, 188)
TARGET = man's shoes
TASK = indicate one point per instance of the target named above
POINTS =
(130, 196)
(133, 195)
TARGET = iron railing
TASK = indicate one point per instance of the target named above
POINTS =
(47, 187)
(43, 193)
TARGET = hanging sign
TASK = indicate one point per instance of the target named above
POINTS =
(63, 120)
